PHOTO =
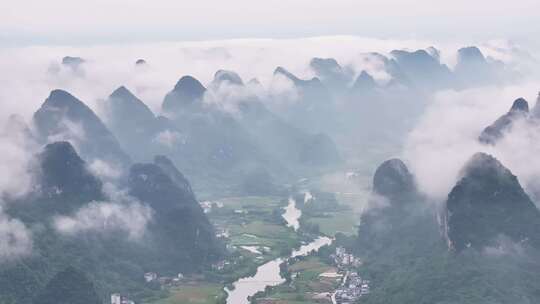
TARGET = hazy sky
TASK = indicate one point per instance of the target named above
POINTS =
(26, 22)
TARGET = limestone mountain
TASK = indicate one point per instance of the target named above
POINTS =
(69, 286)
(177, 236)
(73, 62)
(312, 83)
(132, 122)
(289, 144)
(187, 92)
(230, 77)
(424, 70)
(393, 180)
(176, 176)
(331, 73)
(64, 173)
(314, 105)
(64, 117)
(364, 83)
(396, 220)
(472, 68)
(394, 201)
(488, 202)
(63, 184)
(180, 228)
(495, 131)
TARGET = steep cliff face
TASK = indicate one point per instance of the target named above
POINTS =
(179, 227)
(488, 202)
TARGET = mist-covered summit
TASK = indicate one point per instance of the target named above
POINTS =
(472, 68)
(73, 62)
(141, 127)
(331, 73)
(63, 173)
(309, 84)
(364, 82)
(492, 133)
(392, 179)
(423, 69)
(227, 76)
(218, 137)
(488, 202)
(123, 102)
(188, 91)
(64, 117)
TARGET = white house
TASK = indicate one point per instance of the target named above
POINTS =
(150, 276)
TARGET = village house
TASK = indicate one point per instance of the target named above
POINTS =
(352, 288)
(150, 276)
(343, 259)
(117, 298)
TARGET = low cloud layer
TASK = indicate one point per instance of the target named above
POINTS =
(104, 217)
(104, 170)
(15, 162)
(447, 136)
(30, 73)
(120, 213)
(15, 238)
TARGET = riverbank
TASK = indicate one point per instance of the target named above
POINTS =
(269, 274)
(261, 233)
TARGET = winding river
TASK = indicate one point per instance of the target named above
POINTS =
(268, 273)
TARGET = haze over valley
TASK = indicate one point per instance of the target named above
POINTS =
(313, 168)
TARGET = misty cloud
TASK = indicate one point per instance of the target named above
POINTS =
(15, 238)
(444, 138)
(103, 217)
(70, 131)
(447, 136)
(120, 212)
(169, 138)
(108, 67)
(16, 161)
(504, 246)
(104, 170)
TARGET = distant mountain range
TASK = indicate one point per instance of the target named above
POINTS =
(113, 197)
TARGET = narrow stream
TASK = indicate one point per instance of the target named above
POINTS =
(268, 273)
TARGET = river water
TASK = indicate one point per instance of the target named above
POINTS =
(268, 273)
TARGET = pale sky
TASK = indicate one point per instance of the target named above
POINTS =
(27, 22)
